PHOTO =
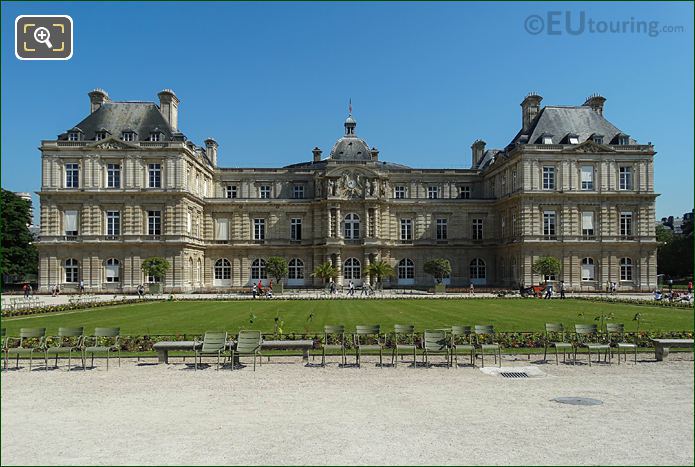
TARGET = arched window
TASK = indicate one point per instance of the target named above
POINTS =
(352, 226)
(625, 269)
(352, 270)
(72, 270)
(112, 269)
(406, 269)
(258, 269)
(478, 269)
(223, 272)
(191, 272)
(588, 269)
(295, 269)
(198, 270)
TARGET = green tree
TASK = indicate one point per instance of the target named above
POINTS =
(276, 267)
(380, 269)
(439, 268)
(672, 251)
(155, 266)
(547, 266)
(19, 254)
(325, 271)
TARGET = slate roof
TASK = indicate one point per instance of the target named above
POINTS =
(116, 117)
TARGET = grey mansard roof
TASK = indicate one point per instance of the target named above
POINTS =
(116, 117)
(352, 148)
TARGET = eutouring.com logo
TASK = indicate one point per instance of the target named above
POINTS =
(557, 23)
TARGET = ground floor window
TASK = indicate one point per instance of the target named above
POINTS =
(352, 269)
(295, 269)
(478, 269)
(406, 269)
(625, 269)
(72, 270)
(112, 270)
(223, 272)
(588, 269)
(258, 269)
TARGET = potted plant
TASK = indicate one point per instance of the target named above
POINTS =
(276, 266)
(547, 266)
(325, 271)
(439, 268)
(378, 270)
(156, 267)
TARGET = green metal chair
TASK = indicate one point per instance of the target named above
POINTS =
(368, 337)
(333, 339)
(27, 345)
(587, 335)
(616, 336)
(555, 337)
(485, 342)
(104, 340)
(68, 340)
(435, 343)
(214, 343)
(403, 339)
(461, 341)
(248, 343)
(3, 339)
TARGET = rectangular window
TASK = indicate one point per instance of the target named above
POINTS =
(295, 229)
(298, 192)
(399, 192)
(548, 178)
(74, 136)
(574, 139)
(549, 225)
(113, 175)
(625, 182)
(264, 192)
(189, 222)
(154, 222)
(259, 229)
(442, 229)
(155, 136)
(99, 135)
(70, 223)
(587, 177)
(222, 229)
(111, 271)
(231, 191)
(626, 224)
(477, 229)
(588, 225)
(465, 192)
(155, 175)
(113, 223)
(406, 230)
(72, 175)
(433, 192)
(128, 136)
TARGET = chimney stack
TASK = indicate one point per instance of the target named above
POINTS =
(97, 98)
(595, 101)
(477, 152)
(529, 109)
(169, 107)
(375, 153)
(317, 154)
(211, 150)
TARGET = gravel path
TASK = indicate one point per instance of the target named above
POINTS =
(286, 413)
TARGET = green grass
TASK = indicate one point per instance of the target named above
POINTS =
(192, 317)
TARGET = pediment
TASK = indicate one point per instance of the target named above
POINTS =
(589, 146)
(113, 144)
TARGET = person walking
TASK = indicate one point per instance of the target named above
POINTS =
(26, 290)
(614, 287)
(351, 289)
(31, 291)
(254, 291)
(670, 289)
(562, 289)
(470, 289)
(334, 289)
(690, 287)
(81, 286)
(548, 291)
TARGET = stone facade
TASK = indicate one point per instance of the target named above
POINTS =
(125, 184)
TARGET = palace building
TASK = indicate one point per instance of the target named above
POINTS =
(125, 184)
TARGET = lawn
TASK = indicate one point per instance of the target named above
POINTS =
(191, 317)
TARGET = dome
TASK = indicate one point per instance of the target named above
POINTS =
(350, 148)
(350, 120)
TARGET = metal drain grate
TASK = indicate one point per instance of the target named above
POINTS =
(577, 401)
(513, 374)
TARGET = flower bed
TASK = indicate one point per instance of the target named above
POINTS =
(69, 307)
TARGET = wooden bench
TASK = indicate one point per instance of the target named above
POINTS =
(662, 346)
(164, 347)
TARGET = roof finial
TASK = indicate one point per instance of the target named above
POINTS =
(350, 107)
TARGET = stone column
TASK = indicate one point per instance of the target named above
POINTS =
(338, 218)
(339, 266)
(329, 223)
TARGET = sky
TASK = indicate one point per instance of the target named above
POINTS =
(269, 81)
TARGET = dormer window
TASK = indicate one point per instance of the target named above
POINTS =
(598, 139)
(155, 136)
(621, 139)
(128, 136)
(572, 138)
(99, 135)
(546, 138)
(73, 136)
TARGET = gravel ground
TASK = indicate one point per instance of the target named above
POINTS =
(286, 413)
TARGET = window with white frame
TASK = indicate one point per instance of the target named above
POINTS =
(442, 229)
(625, 224)
(548, 178)
(298, 191)
(295, 229)
(352, 269)
(264, 192)
(70, 222)
(99, 135)
(231, 191)
(598, 139)
(477, 229)
(587, 177)
(588, 270)
(189, 222)
(295, 269)
(465, 192)
(113, 223)
(399, 192)
(72, 175)
(352, 226)
(154, 175)
(433, 192)
(477, 269)
(128, 136)
(150, 279)
(113, 175)
(406, 269)
(223, 271)
(74, 136)
(623, 140)
(72, 270)
(154, 222)
(259, 229)
(588, 225)
(549, 223)
(222, 229)
(112, 268)
(155, 136)
(625, 269)
(625, 178)
(406, 230)
(573, 139)
(258, 270)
